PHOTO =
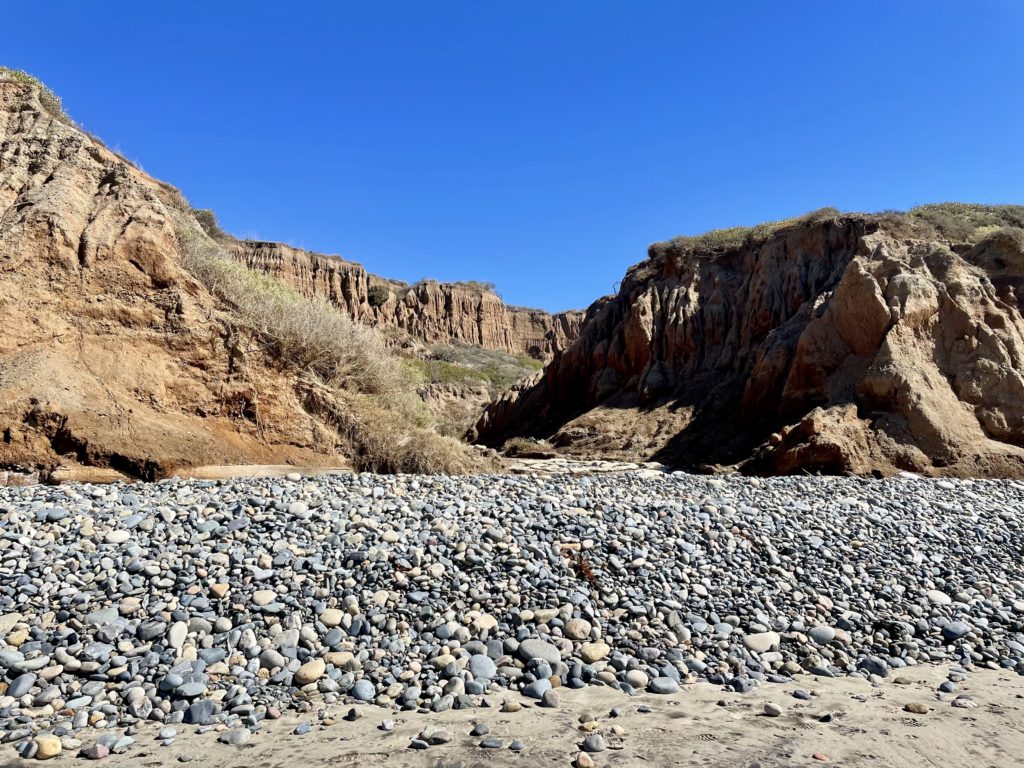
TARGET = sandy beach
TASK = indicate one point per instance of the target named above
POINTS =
(847, 722)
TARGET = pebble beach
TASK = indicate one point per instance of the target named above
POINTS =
(416, 615)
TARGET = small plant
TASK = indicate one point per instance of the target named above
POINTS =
(208, 221)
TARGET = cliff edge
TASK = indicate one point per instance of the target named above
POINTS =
(832, 343)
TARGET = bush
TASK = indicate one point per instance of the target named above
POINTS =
(208, 221)
(345, 374)
(378, 295)
(51, 102)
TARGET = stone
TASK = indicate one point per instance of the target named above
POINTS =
(663, 685)
(577, 629)
(593, 652)
(593, 743)
(310, 672)
(95, 752)
(47, 747)
(482, 666)
(762, 642)
(331, 617)
(822, 635)
(917, 708)
(235, 737)
(538, 649)
(363, 690)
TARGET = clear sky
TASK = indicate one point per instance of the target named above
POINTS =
(538, 145)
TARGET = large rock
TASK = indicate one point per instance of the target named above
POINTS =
(836, 343)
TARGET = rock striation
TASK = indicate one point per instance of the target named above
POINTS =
(430, 311)
(852, 343)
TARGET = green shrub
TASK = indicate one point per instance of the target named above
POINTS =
(378, 295)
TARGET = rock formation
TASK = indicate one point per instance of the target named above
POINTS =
(112, 353)
(430, 311)
(843, 343)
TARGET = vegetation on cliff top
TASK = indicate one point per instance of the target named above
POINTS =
(952, 222)
(51, 101)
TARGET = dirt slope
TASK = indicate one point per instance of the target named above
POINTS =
(112, 354)
(846, 343)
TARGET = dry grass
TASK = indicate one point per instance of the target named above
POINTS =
(950, 222)
(734, 237)
(527, 448)
(345, 374)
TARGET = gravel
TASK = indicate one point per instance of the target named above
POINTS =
(206, 602)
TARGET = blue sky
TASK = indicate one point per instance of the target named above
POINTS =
(539, 145)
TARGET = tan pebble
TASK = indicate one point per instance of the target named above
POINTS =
(583, 760)
(331, 617)
(310, 672)
(47, 747)
(219, 590)
(916, 708)
(511, 706)
(820, 756)
(18, 638)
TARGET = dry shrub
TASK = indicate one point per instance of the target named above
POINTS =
(734, 237)
(345, 374)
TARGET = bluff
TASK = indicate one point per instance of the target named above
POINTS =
(430, 311)
(832, 343)
(114, 354)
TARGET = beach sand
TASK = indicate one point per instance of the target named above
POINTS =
(702, 725)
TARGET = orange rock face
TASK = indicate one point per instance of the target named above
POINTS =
(835, 346)
(112, 354)
(430, 311)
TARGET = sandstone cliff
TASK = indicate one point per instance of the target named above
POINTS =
(838, 343)
(430, 311)
(112, 353)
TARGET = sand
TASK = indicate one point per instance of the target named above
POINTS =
(700, 726)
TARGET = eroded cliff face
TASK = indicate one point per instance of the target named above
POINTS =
(112, 354)
(835, 346)
(430, 311)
